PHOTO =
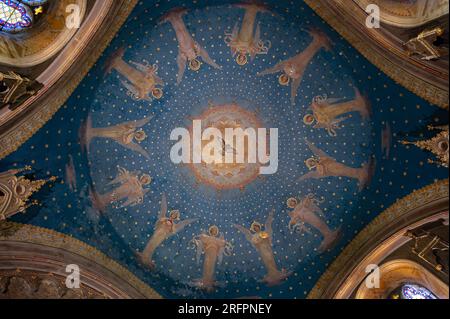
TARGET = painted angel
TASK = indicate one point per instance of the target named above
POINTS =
(142, 82)
(261, 238)
(165, 227)
(129, 190)
(307, 211)
(188, 49)
(213, 247)
(294, 68)
(127, 134)
(246, 40)
(322, 166)
(328, 113)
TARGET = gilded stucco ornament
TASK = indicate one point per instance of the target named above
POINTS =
(430, 248)
(15, 192)
(438, 145)
(15, 89)
(423, 45)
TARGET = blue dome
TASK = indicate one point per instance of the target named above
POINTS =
(277, 66)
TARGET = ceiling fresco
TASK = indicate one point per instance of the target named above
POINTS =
(207, 230)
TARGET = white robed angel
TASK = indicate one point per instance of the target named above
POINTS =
(165, 227)
(293, 69)
(307, 211)
(262, 242)
(189, 50)
(128, 134)
(322, 165)
(129, 191)
(214, 247)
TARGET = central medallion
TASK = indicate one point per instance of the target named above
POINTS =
(224, 175)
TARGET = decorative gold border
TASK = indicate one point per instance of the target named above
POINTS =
(13, 139)
(412, 201)
(414, 84)
(42, 236)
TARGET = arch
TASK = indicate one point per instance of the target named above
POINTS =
(38, 252)
(396, 273)
(380, 238)
(408, 14)
(45, 40)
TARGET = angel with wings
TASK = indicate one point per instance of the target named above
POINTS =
(307, 211)
(127, 134)
(246, 40)
(294, 68)
(214, 246)
(328, 113)
(129, 192)
(188, 49)
(142, 79)
(165, 227)
(261, 238)
(322, 166)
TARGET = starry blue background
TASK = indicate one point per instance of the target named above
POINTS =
(121, 232)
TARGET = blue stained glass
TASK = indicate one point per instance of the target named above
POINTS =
(34, 2)
(14, 16)
(416, 292)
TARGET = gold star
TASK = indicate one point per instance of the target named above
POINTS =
(38, 10)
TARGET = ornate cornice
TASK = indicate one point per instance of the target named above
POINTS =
(14, 137)
(28, 234)
(399, 210)
(348, 19)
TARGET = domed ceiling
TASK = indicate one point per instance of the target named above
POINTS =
(279, 66)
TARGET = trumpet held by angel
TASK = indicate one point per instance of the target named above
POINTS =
(307, 212)
(214, 247)
(293, 69)
(165, 227)
(128, 134)
(261, 239)
(322, 166)
(328, 113)
(246, 40)
(128, 190)
(142, 83)
(189, 51)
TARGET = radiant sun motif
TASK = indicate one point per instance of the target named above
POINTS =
(234, 175)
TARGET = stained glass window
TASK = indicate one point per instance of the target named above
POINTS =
(17, 15)
(416, 292)
(412, 291)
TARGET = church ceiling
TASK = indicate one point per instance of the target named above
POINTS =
(340, 161)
